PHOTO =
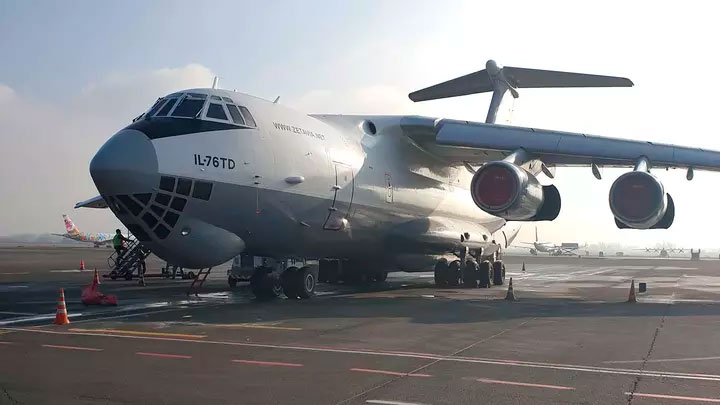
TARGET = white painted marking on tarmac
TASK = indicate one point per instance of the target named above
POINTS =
(32, 318)
(473, 360)
(67, 271)
(16, 286)
(662, 360)
(522, 384)
(87, 349)
(368, 370)
(17, 313)
(678, 397)
(21, 273)
(268, 363)
(382, 401)
(164, 355)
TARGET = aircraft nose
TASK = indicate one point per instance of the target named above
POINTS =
(125, 164)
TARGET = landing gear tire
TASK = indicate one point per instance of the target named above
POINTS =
(441, 273)
(498, 272)
(265, 285)
(470, 274)
(307, 278)
(232, 282)
(289, 281)
(484, 276)
(454, 273)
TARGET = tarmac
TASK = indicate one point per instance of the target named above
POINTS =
(570, 337)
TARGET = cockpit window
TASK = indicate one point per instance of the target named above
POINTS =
(249, 120)
(189, 107)
(215, 98)
(155, 107)
(235, 113)
(216, 111)
(167, 107)
(228, 100)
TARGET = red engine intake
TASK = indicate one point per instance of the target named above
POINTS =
(638, 200)
(510, 192)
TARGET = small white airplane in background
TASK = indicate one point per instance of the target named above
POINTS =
(563, 249)
(72, 232)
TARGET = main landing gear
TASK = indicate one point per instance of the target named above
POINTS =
(469, 273)
(294, 282)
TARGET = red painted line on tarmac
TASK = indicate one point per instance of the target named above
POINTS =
(169, 356)
(268, 363)
(522, 384)
(368, 370)
(680, 398)
(88, 349)
(477, 360)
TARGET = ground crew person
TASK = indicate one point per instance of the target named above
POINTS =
(119, 245)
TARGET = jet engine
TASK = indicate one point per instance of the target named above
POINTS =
(508, 191)
(638, 200)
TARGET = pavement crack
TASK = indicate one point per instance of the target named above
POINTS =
(417, 370)
(638, 378)
(7, 395)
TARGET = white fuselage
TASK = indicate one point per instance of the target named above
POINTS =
(293, 185)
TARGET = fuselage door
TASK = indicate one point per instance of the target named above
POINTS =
(343, 193)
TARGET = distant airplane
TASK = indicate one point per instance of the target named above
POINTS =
(663, 251)
(72, 232)
(563, 249)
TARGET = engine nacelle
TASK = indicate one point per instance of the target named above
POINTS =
(638, 200)
(510, 192)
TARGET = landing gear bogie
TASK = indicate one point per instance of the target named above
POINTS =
(498, 272)
(471, 273)
(454, 274)
(265, 284)
(441, 272)
(485, 274)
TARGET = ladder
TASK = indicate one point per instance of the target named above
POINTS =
(199, 280)
(125, 266)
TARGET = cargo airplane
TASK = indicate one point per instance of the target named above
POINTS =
(207, 174)
(563, 249)
(72, 232)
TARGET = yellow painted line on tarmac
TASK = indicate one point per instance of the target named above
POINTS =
(139, 333)
(254, 326)
(3, 332)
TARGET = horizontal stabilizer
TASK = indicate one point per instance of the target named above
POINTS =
(483, 81)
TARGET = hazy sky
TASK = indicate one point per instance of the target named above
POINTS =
(73, 73)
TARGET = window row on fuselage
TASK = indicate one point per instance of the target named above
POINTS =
(201, 106)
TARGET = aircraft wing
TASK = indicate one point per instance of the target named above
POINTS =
(95, 202)
(472, 142)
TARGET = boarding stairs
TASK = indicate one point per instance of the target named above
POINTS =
(198, 281)
(131, 261)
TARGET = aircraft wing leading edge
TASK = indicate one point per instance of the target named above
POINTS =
(95, 202)
(463, 141)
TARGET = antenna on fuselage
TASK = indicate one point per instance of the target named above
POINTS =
(276, 100)
(215, 82)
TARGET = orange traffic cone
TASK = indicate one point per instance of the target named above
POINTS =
(82, 265)
(510, 293)
(631, 296)
(96, 279)
(61, 318)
